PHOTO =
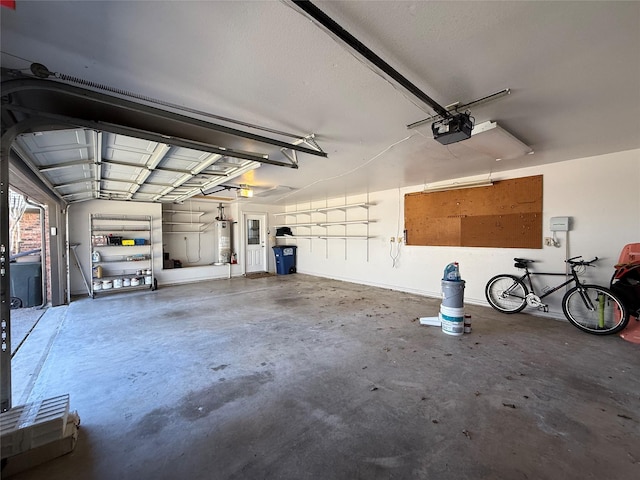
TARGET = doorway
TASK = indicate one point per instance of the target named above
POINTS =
(255, 242)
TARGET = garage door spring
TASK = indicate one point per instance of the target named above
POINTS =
(41, 71)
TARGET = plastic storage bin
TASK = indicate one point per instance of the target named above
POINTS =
(285, 259)
(26, 283)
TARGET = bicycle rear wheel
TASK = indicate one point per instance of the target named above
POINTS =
(506, 293)
(594, 309)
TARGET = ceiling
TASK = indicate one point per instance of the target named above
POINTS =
(573, 70)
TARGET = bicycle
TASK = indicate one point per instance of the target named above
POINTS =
(591, 308)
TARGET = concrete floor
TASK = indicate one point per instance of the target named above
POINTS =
(296, 377)
(23, 320)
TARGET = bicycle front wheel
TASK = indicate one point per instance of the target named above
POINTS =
(506, 293)
(594, 309)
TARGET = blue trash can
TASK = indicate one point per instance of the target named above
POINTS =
(285, 259)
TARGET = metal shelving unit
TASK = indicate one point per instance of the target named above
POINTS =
(324, 223)
(327, 225)
(182, 221)
(118, 267)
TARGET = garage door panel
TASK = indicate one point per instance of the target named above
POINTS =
(72, 160)
(126, 143)
(119, 171)
(55, 140)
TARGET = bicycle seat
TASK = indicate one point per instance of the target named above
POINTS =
(522, 262)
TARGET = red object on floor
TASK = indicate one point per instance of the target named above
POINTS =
(632, 332)
(8, 3)
(629, 259)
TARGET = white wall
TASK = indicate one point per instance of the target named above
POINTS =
(601, 195)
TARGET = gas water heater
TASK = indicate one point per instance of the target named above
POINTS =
(222, 253)
(222, 240)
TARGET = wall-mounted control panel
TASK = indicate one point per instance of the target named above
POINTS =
(560, 224)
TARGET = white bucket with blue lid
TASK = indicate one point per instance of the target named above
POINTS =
(452, 320)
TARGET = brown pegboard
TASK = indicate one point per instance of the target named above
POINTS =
(435, 231)
(522, 230)
(507, 214)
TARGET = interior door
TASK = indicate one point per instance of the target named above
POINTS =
(255, 242)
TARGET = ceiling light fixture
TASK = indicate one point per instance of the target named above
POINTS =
(245, 192)
(459, 185)
(493, 140)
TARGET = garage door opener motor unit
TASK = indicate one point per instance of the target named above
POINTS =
(453, 129)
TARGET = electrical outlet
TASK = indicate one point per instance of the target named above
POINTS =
(548, 241)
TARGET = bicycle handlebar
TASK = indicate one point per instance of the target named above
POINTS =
(581, 262)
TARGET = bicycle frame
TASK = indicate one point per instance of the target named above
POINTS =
(574, 279)
(528, 275)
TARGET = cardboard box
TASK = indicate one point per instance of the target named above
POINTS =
(98, 240)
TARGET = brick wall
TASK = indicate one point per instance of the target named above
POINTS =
(30, 235)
